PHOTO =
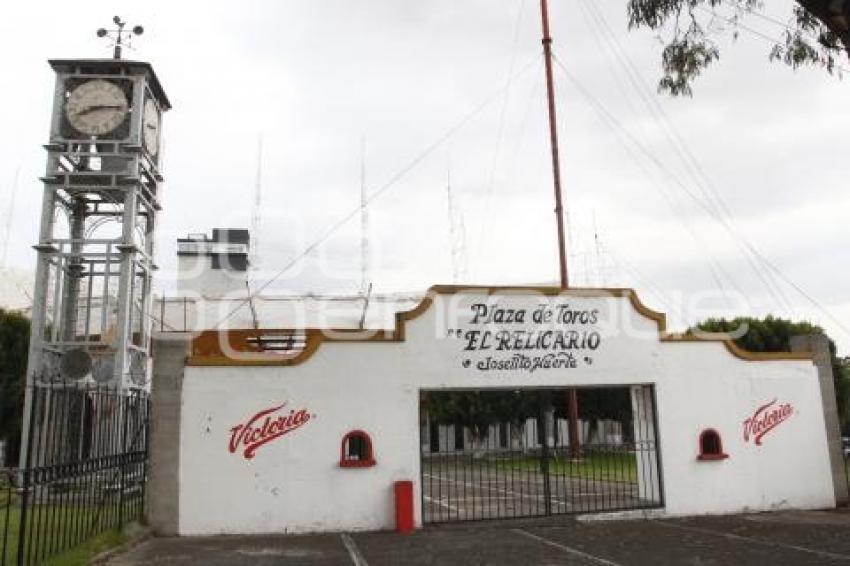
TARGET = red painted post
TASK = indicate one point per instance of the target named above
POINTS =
(403, 506)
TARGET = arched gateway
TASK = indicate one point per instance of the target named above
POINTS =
(465, 398)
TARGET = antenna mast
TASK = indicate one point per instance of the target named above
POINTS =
(456, 233)
(572, 395)
(365, 284)
(256, 211)
(600, 273)
(553, 138)
(10, 214)
(452, 235)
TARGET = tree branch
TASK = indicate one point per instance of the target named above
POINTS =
(835, 15)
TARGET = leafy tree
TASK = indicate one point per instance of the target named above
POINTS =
(477, 410)
(772, 334)
(14, 348)
(819, 34)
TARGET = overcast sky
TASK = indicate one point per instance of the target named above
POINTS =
(438, 86)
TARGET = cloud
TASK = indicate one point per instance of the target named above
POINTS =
(316, 78)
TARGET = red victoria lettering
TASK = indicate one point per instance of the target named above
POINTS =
(766, 418)
(264, 427)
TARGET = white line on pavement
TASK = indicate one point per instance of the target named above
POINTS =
(439, 502)
(505, 491)
(732, 536)
(354, 552)
(567, 549)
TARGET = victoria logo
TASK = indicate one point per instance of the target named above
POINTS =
(765, 419)
(264, 427)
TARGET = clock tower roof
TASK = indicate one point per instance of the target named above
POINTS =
(109, 66)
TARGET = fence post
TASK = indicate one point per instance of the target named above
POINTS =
(6, 520)
(26, 479)
(544, 412)
(146, 405)
(124, 402)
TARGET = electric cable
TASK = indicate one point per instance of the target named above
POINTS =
(385, 187)
(591, 15)
(758, 254)
(691, 164)
(621, 131)
(756, 33)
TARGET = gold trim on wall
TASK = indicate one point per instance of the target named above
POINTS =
(210, 347)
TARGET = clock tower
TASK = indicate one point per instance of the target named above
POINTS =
(91, 317)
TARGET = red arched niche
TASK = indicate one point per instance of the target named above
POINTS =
(711, 446)
(356, 450)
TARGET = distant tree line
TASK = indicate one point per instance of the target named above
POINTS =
(773, 334)
(14, 350)
(478, 410)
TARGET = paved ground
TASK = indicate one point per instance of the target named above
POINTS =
(462, 490)
(794, 538)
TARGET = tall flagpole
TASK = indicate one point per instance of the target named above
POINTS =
(553, 138)
(572, 396)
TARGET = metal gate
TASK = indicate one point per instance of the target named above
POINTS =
(506, 454)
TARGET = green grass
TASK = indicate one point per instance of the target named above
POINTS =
(83, 553)
(56, 527)
(601, 466)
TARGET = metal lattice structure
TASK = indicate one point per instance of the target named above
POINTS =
(92, 298)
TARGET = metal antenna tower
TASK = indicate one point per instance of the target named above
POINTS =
(256, 211)
(600, 268)
(10, 214)
(457, 233)
(256, 223)
(365, 283)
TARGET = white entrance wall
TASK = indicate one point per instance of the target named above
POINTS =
(293, 482)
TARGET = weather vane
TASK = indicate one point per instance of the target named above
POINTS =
(119, 36)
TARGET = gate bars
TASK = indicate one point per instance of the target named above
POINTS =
(85, 474)
(507, 454)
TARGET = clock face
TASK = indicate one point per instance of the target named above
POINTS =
(150, 127)
(96, 107)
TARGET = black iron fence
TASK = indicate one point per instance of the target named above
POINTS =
(508, 455)
(85, 471)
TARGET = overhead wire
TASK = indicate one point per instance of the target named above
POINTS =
(393, 180)
(647, 283)
(770, 19)
(725, 222)
(674, 138)
(487, 205)
(756, 33)
(506, 99)
(533, 95)
(714, 266)
(613, 122)
(692, 167)
(808, 297)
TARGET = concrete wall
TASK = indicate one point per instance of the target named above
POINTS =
(164, 465)
(293, 482)
(195, 274)
(818, 344)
